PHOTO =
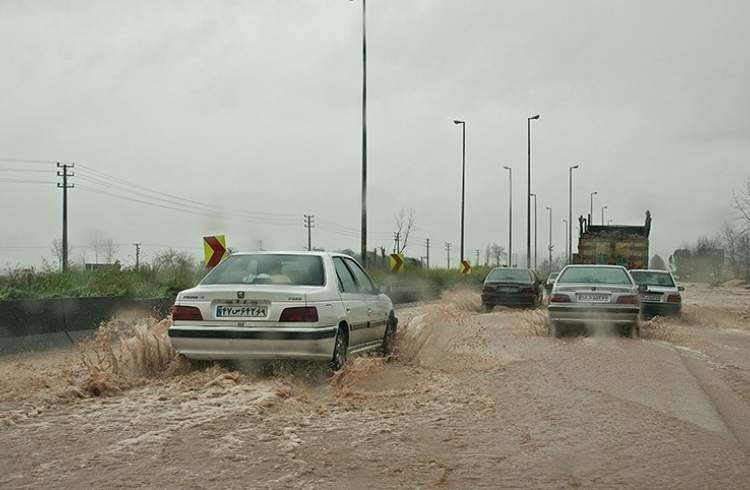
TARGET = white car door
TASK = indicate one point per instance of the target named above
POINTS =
(376, 314)
(354, 304)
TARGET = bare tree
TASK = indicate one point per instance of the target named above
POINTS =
(57, 251)
(110, 249)
(497, 252)
(405, 224)
(742, 205)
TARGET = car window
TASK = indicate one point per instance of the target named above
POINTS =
(652, 278)
(594, 275)
(294, 270)
(363, 280)
(511, 275)
(346, 280)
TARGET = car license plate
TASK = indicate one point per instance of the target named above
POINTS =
(593, 298)
(241, 311)
(651, 297)
(507, 290)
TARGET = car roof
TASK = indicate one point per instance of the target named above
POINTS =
(660, 271)
(596, 266)
(511, 268)
(314, 253)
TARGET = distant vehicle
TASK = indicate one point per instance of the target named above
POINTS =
(511, 287)
(550, 281)
(594, 296)
(283, 305)
(661, 295)
(614, 244)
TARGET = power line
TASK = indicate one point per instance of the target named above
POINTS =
(31, 170)
(11, 180)
(22, 160)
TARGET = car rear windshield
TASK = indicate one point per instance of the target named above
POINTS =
(294, 270)
(510, 275)
(653, 278)
(594, 275)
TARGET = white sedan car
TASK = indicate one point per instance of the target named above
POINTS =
(283, 305)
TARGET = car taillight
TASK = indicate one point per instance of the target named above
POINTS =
(186, 313)
(674, 298)
(559, 298)
(628, 300)
(299, 314)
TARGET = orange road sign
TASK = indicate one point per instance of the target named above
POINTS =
(214, 250)
(396, 263)
(464, 266)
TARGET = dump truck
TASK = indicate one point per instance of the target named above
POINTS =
(613, 244)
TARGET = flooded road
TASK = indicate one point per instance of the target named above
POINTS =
(470, 400)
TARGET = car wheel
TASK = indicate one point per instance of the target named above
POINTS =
(634, 331)
(340, 350)
(389, 338)
(486, 308)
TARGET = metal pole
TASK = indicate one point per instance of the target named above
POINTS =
(427, 244)
(65, 186)
(570, 214)
(363, 247)
(603, 208)
(535, 233)
(510, 215)
(591, 210)
(549, 247)
(528, 192)
(565, 235)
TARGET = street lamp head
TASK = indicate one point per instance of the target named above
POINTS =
(534, 117)
(456, 121)
(594, 193)
(548, 207)
(506, 167)
(574, 166)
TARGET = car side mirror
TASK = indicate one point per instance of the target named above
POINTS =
(642, 288)
(379, 289)
(680, 288)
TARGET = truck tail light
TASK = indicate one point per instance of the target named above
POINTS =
(299, 314)
(674, 298)
(628, 300)
(186, 313)
(559, 298)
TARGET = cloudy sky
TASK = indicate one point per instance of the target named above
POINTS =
(253, 107)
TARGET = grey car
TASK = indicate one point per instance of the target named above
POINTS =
(660, 293)
(595, 297)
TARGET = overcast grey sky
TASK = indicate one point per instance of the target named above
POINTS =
(255, 106)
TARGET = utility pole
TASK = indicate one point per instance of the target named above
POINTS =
(448, 251)
(427, 244)
(477, 262)
(260, 245)
(591, 209)
(603, 208)
(309, 224)
(397, 241)
(65, 186)
(463, 179)
(137, 256)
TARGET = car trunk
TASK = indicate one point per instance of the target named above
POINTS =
(262, 302)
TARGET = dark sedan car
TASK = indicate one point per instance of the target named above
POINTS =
(511, 287)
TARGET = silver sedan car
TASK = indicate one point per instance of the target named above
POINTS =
(595, 297)
(662, 295)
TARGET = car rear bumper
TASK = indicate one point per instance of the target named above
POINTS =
(218, 343)
(663, 309)
(513, 299)
(612, 315)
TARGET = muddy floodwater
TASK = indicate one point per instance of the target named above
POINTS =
(470, 400)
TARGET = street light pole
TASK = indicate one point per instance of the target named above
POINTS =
(510, 215)
(565, 235)
(528, 193)
(569, 258)
(463, 181)
(535, 231)
(591, 210)
(549, 247)
(363, 239)
(603, 208)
